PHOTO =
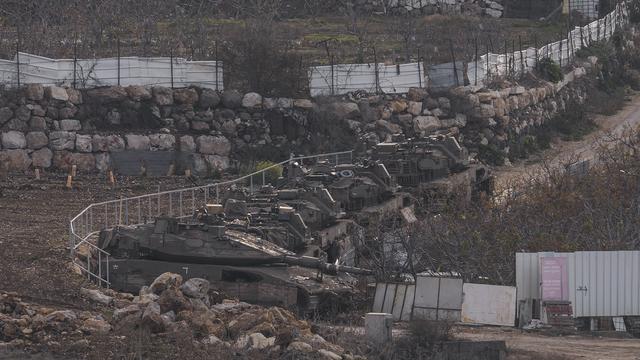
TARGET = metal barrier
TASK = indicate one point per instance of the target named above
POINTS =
(138, 210)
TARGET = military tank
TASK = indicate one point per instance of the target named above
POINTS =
(232, 257)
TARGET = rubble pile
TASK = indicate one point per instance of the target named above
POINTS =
(170, 305)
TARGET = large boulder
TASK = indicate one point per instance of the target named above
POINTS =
(186, 96)
(196, 288)
(231, 99)
(70, 125)
(42, 158)
(346, 110)
(16, 159)
(13, 140)
(138, 93)
(121, 313)
(62, 140)
(209, 99)
(252, 100)
(34, 92)
(162, 96)
(187, 144)
(67, 112)
(75, 96)
(165, 281)
(107, 95)
(426, 124)
(97, 296)
(37, 123)
(57, 93)
(216, 162)
(162, 142)
(37, 140)
(83, 143)
(213, 145)
(115, 143)
(5, 114)
(151, 318)
(137, 142)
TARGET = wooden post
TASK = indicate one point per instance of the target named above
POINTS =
(74, 170)
(187, 173)
(112, 179)
(37, 174)
(69, 181)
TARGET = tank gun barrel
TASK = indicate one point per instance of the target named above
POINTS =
(311, 262)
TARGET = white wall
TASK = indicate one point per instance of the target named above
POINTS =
(601, 283)
(489, 304)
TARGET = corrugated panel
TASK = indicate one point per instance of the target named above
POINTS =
(601, 283)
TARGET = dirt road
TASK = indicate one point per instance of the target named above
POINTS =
(529, 346)
(563, 152)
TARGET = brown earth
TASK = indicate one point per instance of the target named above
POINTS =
(524, 345)
(564, 152)
(34, 231)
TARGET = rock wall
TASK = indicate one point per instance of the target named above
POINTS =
(54, 128)
(428, 7)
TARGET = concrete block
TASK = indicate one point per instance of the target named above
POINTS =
(378, 327)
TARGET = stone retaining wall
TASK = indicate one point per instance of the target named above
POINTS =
(54, 128)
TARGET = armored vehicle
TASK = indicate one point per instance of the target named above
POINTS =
(233, 258)
(434, 163)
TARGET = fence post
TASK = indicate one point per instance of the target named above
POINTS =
(18, 55)
(488, 60)
(118, 46)
(560, 51)
(453, 59)
(535, 44)
(419, 68)
(216, 55)
(171, 65)
(75, 60)
(377, 74)
(506, 58)
(332, 76)
(521, 57)
(475, 43)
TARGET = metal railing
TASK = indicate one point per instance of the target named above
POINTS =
(138, 210)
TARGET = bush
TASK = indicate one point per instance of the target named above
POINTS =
(273, 173)
(549, 70)
(490, 154)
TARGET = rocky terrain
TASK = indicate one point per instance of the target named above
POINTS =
(167, 306)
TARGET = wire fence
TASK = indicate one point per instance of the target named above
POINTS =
(180, 203)
(83, 73)
(513, 62)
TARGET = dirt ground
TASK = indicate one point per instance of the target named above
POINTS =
(34, 231)
(564, 152)
(524, 345)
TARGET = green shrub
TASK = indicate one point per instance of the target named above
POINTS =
(549, 70)
(274, 172)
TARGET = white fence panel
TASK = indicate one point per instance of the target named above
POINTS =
(489, 304)
(106, 71)
(345, 78)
